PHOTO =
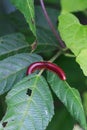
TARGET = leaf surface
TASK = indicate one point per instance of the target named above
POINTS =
(6, 25)
(40, 17)
(73, 5)
(29, 111)
(45, 36)
(27, 8)
(74, 35)
(70, 97)
(12, 43)
(85, 102)
(62, 116)
(46, 40)
(81, 59)
(14, 68)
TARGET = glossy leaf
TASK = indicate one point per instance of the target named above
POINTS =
(70, 97)
(75, 37)
(12, 43)
(73, 5)
(27, 8)
(14, 68)
(28, 110)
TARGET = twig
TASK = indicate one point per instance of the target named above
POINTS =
(51, 25)
(52, 60)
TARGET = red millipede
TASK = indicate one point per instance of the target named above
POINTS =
(46, 65)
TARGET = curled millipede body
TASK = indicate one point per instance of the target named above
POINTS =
(46, 65)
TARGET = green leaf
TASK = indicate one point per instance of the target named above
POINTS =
(62, 116)
(6, 25)
(21, 25)
(41, 20)
(75, 37)
(72, 32)
(13, 43)
(81, 59)
(45, 36)
(70, 98)
(13, 69)
(29, 111)
(73, 5)
(67, 64)
(27, 8)
(53, 2)
(85, 102)
(46, 41)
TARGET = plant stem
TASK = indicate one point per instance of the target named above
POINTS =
(55, 56)
(51, 60)
(69, 55)
(51, 25)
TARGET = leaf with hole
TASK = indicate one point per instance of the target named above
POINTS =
(28, 111)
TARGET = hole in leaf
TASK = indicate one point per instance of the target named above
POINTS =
(29, 92)
(82, 17)
(4, 124)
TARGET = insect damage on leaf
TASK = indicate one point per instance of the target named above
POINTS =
(4, 124)
(29, 92)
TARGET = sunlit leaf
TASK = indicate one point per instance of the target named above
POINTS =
(74, 35)
(73, 5)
